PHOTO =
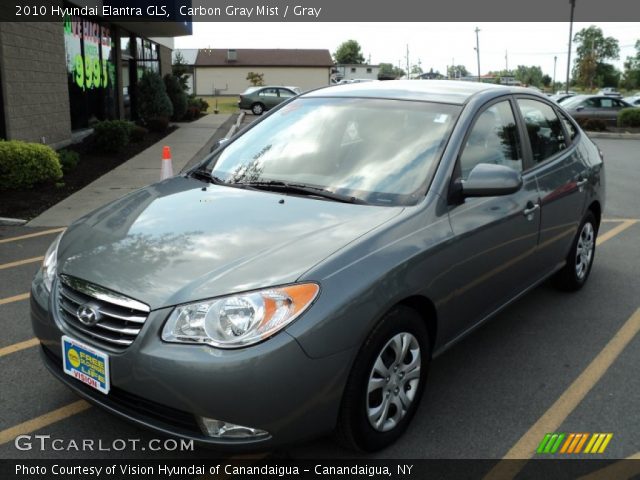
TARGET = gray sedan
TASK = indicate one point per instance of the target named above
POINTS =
(595, 106)
(300, 279)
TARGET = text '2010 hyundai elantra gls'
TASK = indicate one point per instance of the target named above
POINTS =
(300, 279)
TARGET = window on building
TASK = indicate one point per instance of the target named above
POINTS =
(353, 69)
(369, 70)
(90, 57)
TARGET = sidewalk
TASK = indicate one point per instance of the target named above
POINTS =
(187, 142)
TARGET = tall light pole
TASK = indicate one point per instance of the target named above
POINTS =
(553, 84)
(478, 49)
(573, 6)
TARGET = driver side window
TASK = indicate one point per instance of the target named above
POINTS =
(493, 139)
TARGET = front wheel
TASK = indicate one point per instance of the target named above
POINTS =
(257, 108)
(386, 382)
(575, 273)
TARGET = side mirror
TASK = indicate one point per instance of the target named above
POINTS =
(218, 144)
(490, 180)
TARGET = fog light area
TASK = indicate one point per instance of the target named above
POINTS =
(221, 429)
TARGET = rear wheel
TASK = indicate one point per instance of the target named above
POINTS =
(386, 382)
(257, 109)
(580, 259)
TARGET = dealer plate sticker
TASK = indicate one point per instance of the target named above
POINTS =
(86, 364)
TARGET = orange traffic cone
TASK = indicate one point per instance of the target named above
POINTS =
(166, 170)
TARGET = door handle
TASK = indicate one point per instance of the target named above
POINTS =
(530, 209)
(581, 183)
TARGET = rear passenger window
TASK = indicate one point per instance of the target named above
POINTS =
(543, 127)
(493, 139)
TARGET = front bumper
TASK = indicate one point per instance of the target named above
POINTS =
(273, 386)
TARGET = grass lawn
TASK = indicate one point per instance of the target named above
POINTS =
(225, 104)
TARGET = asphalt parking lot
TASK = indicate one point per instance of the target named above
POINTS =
(552, 362)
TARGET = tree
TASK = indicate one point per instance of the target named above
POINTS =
(457, 71)
(631, 76)
(256, 79)
(592, 51)
(177, 95)
(529, 75)
(388, 72)
(546, 80)
(180, 70)
(349, 52)
(153, 101)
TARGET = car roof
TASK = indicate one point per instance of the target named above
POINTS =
(446, 91)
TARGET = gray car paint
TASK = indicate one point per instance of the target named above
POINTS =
(455, 262)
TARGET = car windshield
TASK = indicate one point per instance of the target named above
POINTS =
(574, 101)
(377, 151)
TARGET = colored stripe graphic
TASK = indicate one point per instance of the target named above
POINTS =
(572, 443)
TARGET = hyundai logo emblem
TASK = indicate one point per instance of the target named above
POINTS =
(87, 315)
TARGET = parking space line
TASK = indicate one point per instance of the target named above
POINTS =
(45, 420)
(15, 298)
(615, 231)
(618, 220)
(626, 468)
(557, 413)
(16, 347)
(21, 262)
(31, 235)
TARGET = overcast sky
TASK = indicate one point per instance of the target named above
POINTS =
(435, 45)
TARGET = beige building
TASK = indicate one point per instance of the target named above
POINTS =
(224, 72)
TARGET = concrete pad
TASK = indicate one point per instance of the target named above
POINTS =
(143, 169)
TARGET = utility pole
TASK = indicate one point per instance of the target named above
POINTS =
(573, 6)
(506, 60)
(553, 84)
(477, 30)
(408, 72)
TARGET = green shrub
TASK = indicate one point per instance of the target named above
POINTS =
(23, 165)
(592, 124)
(177, 96)
(112, 135)
(199, 103)
(68, 160)
(153, 101)
(192, 113)
(629, 117)
(138, 133)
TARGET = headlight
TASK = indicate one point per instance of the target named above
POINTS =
(239, 320)
(50, 263)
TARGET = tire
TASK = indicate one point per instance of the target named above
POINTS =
(363, 424)
(257, 109)
(576, 271)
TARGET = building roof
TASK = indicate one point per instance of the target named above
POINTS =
(263, 57)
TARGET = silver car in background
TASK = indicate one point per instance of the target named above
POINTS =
(300, 279)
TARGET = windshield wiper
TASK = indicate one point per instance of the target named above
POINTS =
(203, 174)
(301, 188)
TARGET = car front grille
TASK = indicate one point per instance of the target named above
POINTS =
(118, 319)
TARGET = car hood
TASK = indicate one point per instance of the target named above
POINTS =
(183, 240)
